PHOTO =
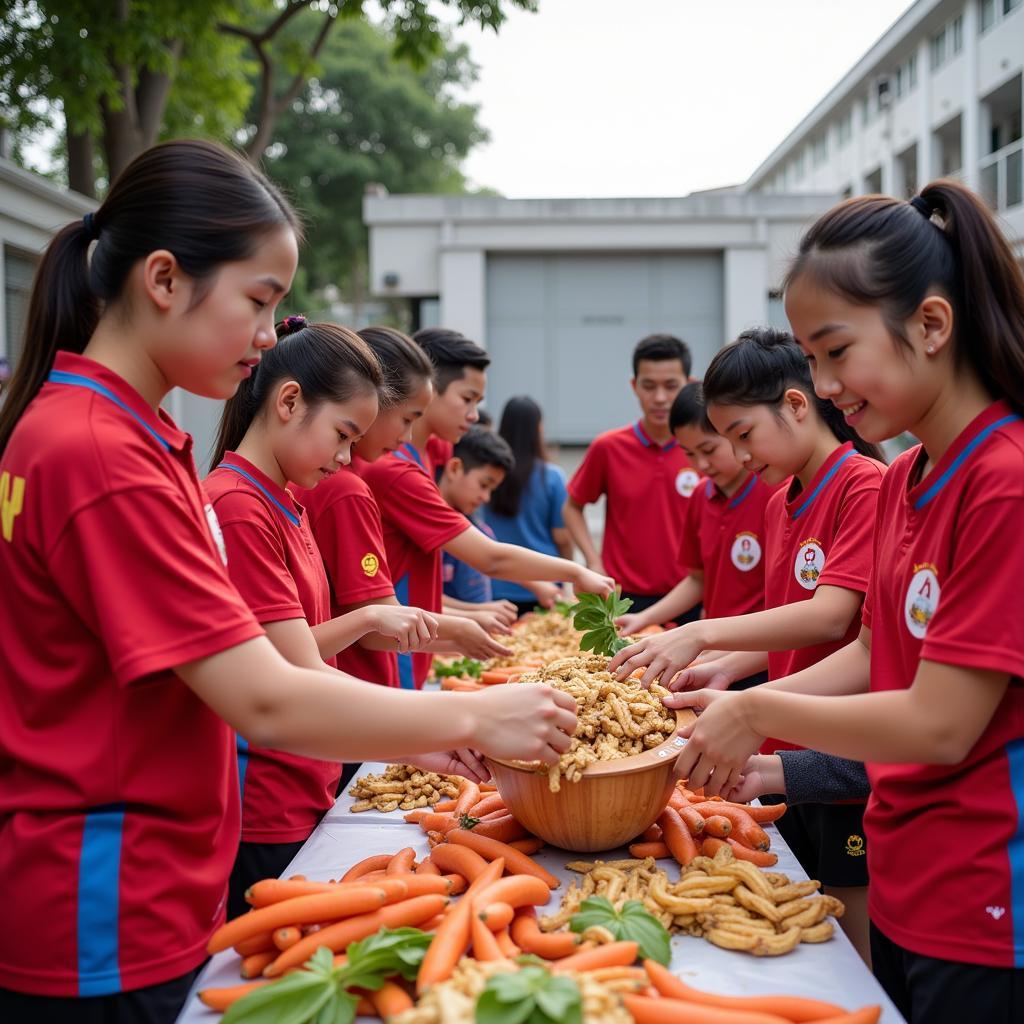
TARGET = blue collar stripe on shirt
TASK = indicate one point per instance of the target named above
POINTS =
(825, 481)
(1015, 848)
(286, 512)
(406, 679)
(77, 380)
(411, 453)
(709, 489)
(742, 497)
(933, 491)
(99, 883)
(647, 443)
(242, 750)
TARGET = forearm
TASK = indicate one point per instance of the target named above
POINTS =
(566, 548)
(576, 524)
(841, 674)
(739, 665)
(456, 604)
(687, 593)
(511, 562)
(336, 634)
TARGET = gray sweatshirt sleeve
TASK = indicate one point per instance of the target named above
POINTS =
(813, 777)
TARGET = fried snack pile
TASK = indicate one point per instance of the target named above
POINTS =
(402, 787)
(616, 719)
(538, 639)
(454, 1001)
(729, 902)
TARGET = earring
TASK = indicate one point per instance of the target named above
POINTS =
(930, 349)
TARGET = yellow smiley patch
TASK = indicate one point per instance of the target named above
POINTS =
(370, 565)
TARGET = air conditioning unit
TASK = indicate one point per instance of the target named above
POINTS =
(882, 91)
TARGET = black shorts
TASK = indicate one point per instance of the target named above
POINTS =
(931, 991)
(641, 602)
(828, 840)
(156, 1004)
(254, 862)
(755, 680)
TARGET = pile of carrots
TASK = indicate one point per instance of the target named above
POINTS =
(692, 825)
(669, 1000)
(489, 677)
(478, 808)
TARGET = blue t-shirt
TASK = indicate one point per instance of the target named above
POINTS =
(540, 512)
(462, 581)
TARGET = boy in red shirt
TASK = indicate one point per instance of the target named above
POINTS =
(647, 479)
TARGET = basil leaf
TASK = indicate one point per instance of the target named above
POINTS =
(341, 1010)
(295, 999)
(647, 932)
(490, 1010)
(559, 998)
(594, 912)
(510, 988)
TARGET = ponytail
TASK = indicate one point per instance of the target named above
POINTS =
(884, 252)
(758, 368)
(328, 362)
(196, 199)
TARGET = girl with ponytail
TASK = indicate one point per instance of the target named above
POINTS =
(130, 661)
(295, 421)
(911, 315)
(759, 395)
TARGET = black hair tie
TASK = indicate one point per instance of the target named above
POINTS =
(293, 323)
(89, 223)
(923, 207)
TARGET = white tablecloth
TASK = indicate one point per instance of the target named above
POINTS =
(831, 970)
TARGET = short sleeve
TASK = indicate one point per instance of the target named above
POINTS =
(142, 572)
(414, 506)
(689, 547)
(589, 482)
(977, 622)
(351, 541)
(849, 557)
(557, 494)
(259, 569)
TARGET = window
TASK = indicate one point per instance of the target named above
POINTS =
(819, 150)
(1009, 5)
(988, 14)
(901, 82)
(958, 34)
(912, 72)
(937, 50)
(844, 130)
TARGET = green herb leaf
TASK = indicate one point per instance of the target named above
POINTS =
(383, 955)
(341, 1010)
(631, 924)
(564, 608)
(491, 1010)
(462, 667)
(294, 999)
(530, 996)
(558, 998)
(595, 617)
(468, 822)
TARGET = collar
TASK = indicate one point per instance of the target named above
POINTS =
(970, 439)
(645, 440)
(410, 453)
(280, 497)
(799, 503)
(73, 370)
(744, 492)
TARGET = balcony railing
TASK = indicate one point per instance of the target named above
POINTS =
(1001, 177)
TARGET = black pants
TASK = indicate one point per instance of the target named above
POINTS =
(641, 602)
(254, 862)
(157, 1004)
(931, 991)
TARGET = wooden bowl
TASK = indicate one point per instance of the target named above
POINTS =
(609, 807)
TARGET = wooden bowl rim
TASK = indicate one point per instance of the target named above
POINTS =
(620, 766)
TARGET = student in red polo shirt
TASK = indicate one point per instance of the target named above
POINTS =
(759, 396)
(129, 658)
(418, 522)
(312, 397)
(647, 480)
(345, 519)
(912, 315)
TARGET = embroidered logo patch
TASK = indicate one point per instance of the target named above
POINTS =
(809, 563)
(922, 599)
(216, 533)
(855, 846)
(686, 482)
(746, 551)
(370, 565)
(12, 499)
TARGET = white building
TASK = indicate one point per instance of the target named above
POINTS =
(940, 94)
(560, 290)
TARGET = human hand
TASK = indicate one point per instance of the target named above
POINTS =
(631, 622)
(699, 675)
(506, 611)
(490, 622)
(464, 762)
(591, 582)
(411, 628)
(661, 656)
(525, 723)
(761, 774)
(546, 593)
(475, 642)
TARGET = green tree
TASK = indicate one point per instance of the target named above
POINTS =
(120, 74)
(365, 119)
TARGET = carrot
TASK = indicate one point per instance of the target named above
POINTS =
(496, 915)
(336, 937)
(651, 834)
(444, 805)
(325, 906)
(469, 794)
(222, 998)
(794, 1008)
(390, 1000)
(432, 924)
(656, 850)
(526, 933)
(717, 825)
(488, 876)
(865, 1015)
(619, 974)
(611, 954)
(285, 938)
(402, 862)
(517, 891)
(415, 817)
(677, 836)
(458, 884)
(505, 829)
(486, 804)
(378, 862)
(485, 945)
(744, 828)
(740, 852)
(451, 940)
(458, 859)
(273, 890)
(427, 867)
(528, 846)
(255, 944)
(674, 1011)
(252, 966)
(407, 886)
(692, 819)
(766, 812)
(508, 948)
(442, 823)
(433, 838)
(517, 863)
(677, 800)
(488, 787)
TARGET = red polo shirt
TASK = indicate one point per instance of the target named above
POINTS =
(118, 788)
(724, 537)
(417, 524)
(820, 535)
(276, 566)
(346, 524)
(949, 560)
(648, 488)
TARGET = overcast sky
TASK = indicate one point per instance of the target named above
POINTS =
(655, 97)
